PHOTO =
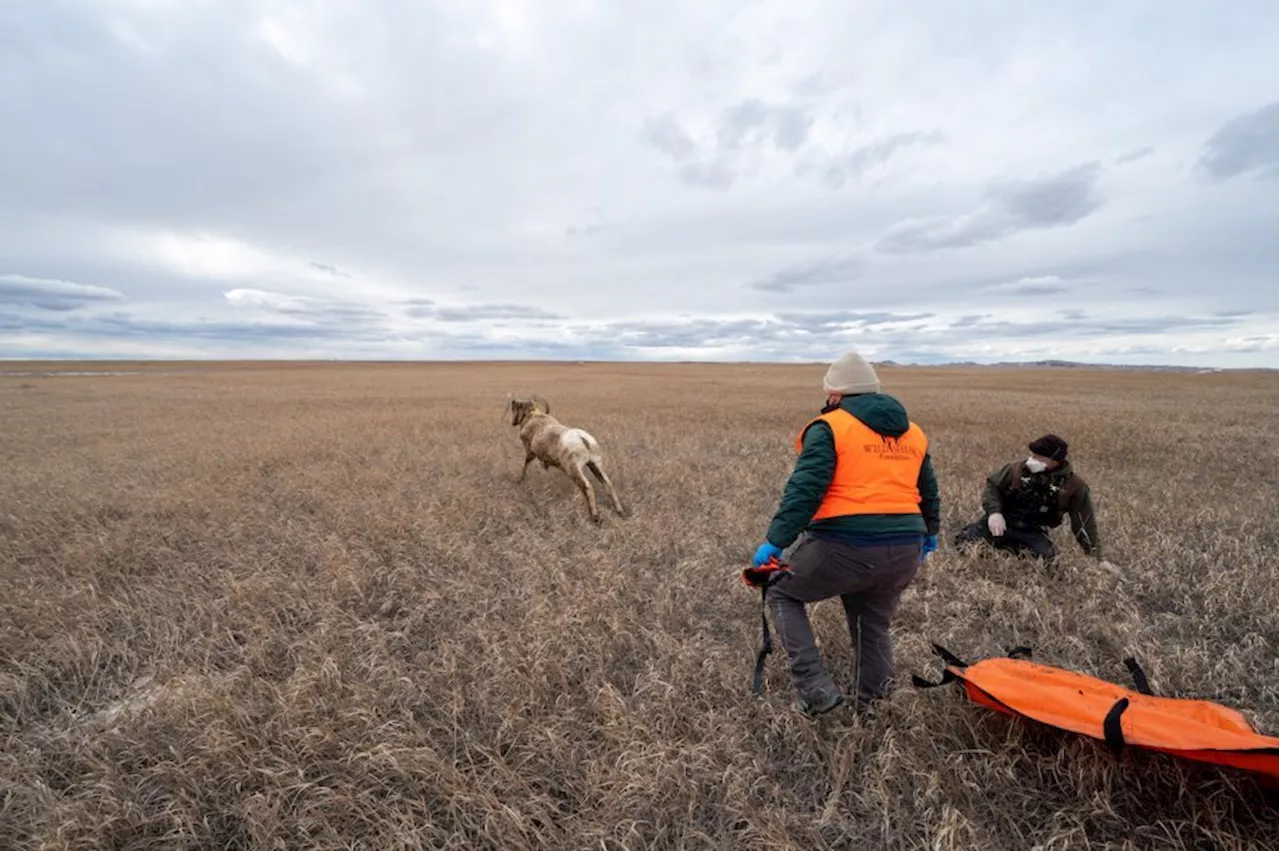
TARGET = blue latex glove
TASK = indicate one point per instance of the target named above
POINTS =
(766, 552)
(930, 545)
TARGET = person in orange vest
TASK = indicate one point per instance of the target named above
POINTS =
(858, 515)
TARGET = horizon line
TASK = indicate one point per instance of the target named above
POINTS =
(1042, 363)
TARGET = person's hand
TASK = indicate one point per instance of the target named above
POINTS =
(930, 545)
(996, 524)
(764, 553)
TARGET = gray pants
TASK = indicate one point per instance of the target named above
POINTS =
(869, 581)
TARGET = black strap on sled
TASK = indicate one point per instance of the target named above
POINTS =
(1111, 726)
(948, 676)
(1140, 682)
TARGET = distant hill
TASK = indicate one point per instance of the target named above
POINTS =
(1066, 364)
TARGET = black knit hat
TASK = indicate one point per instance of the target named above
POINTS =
(1050, 446)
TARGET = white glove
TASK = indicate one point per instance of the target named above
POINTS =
(996, 524)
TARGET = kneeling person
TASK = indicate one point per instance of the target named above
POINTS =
(1024, 500)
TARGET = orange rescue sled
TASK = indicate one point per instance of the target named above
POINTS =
(1193, 729)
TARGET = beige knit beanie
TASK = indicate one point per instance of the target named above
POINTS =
(851, 374)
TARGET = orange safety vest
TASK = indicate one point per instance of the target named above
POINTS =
(875, 474)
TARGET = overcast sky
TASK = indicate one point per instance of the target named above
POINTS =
(655, 179)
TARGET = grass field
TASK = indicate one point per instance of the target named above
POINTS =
(307, 606)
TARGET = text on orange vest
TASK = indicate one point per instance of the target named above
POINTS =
(875, 473)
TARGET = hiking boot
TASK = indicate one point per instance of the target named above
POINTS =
(818, 704)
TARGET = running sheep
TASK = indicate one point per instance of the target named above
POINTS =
(573, 450)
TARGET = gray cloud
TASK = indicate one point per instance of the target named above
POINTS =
(1085, 325)
(820, 335)
(1135, 154)
(830, 270)
(481, 346)
(480, 312)
(1063, 199)
(827, 321)
(745, 126)
(1254, 344)
(876, 153)
(1013, 205)
(50, 294)
(308, 308)
(1245, 145)
(330, 270)
(785, 125)
(813, 335)
(1160, 324)
(14, 322)
(709, 175)
(833, 171)
(665, 133)
(129, 326)
(688, 334)
(815, 84)
(833, 177)
(1081, 337)
(1041, 285)
(802, 331)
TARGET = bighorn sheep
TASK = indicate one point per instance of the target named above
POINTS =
(573, 450)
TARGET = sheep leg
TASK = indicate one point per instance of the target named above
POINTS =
(528, 457)
(580, 479)
(599, 473)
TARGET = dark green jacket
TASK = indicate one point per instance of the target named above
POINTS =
(1043, 499)
(816, 466)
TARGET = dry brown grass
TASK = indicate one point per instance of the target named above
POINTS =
(256, 606)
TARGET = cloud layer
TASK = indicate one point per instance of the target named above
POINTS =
(746, 181)
(1011, 206)
(44, 294)
(1245, 145)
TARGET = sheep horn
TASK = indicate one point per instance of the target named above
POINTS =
(546, 406)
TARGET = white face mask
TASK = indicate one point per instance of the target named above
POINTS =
(1035, 465)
